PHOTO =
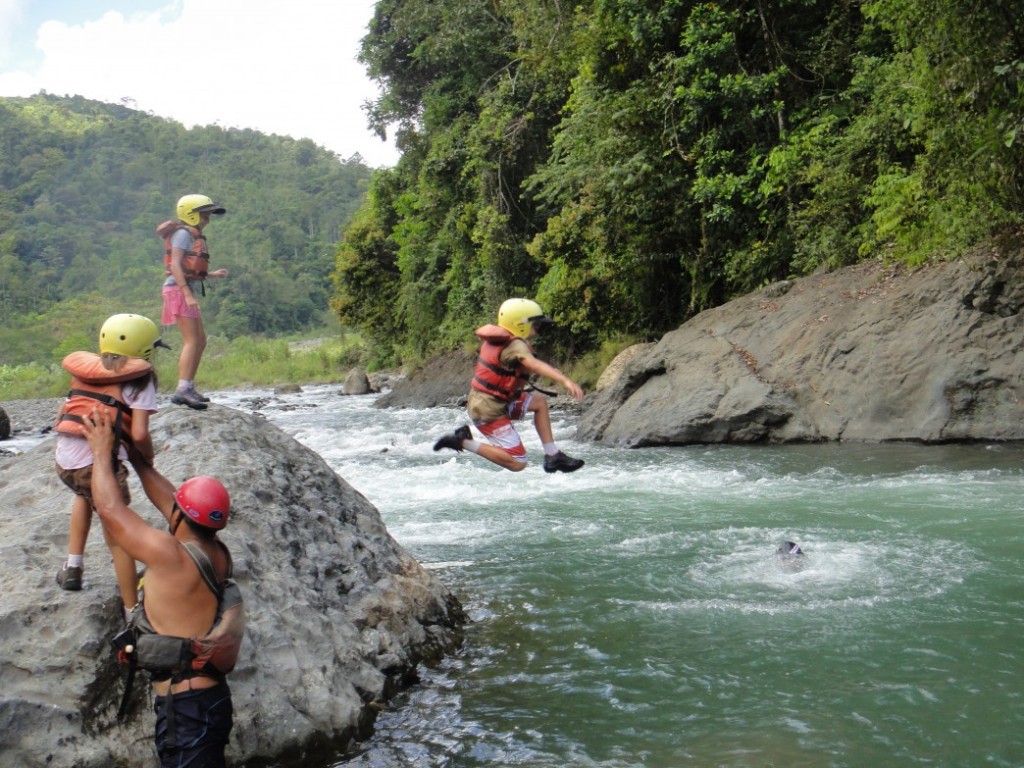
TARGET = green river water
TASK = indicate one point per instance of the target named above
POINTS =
(635, 613)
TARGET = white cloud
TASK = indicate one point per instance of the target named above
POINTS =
(286, 68)
(10, 17)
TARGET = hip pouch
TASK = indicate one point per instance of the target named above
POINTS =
(163, 653)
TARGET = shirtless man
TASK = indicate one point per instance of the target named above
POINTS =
(193, 707)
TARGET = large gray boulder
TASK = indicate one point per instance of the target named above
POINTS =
(339, 614)
(441, 381)
(867, 353)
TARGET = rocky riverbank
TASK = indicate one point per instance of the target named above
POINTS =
(869, 353)
(340, 615)
(30, 416)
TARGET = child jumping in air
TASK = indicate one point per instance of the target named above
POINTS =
(498, 394)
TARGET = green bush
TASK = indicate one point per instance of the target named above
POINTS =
(588, 369)
(32, 380)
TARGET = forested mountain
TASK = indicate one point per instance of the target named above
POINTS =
(631, 162)
(84, 184)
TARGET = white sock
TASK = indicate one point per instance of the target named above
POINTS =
(184, 385)
(75, 561)
(550, 449)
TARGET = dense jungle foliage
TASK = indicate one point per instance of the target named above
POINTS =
(632, 162)
(83, 186)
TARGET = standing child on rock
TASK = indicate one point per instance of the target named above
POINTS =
(186, 266)
(498, 394)
(121, 380)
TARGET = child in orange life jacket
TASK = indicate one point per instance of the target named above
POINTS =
(186, 266)
(498, 395)
(120, 379)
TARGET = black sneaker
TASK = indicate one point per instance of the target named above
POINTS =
(69, 578)
(189, 398)
(455, 439)
(562, 463)
(199, 395)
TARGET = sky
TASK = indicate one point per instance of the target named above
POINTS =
(285, 68)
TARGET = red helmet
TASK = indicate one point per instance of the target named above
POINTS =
(205, 501)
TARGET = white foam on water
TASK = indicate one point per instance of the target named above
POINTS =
(737, 569)
(447, 565)
(649, 582)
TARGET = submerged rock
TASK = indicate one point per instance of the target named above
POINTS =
(339, 614)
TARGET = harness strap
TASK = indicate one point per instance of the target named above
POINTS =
(531, 387)
(128, 684)
(209, 574)
(497, 368)
(113, 402)
(172, 736)
(501, 392)
(205, 566)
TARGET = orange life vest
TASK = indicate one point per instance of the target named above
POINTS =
(196, 261)
(490, 375)
(91, 384)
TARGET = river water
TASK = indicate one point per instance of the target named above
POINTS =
(635, 613)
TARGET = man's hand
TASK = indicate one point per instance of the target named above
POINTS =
(99, 432)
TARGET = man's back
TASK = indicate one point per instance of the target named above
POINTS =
(177, 599)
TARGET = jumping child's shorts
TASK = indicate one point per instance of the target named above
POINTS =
(502, 433)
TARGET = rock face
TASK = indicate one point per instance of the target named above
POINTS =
(339, 614)
(443, 381)
(868, 353)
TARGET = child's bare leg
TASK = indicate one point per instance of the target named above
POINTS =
(541, 418)
(554, 459)
(81, 521)
(69, 577)
(124, 570)
(498, 456)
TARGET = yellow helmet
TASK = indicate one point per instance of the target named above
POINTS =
(190, 206)
(517, 316)
(130, 335)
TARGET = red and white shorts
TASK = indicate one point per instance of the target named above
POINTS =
(502, 433)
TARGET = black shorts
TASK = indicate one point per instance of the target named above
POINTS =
(202, 724)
